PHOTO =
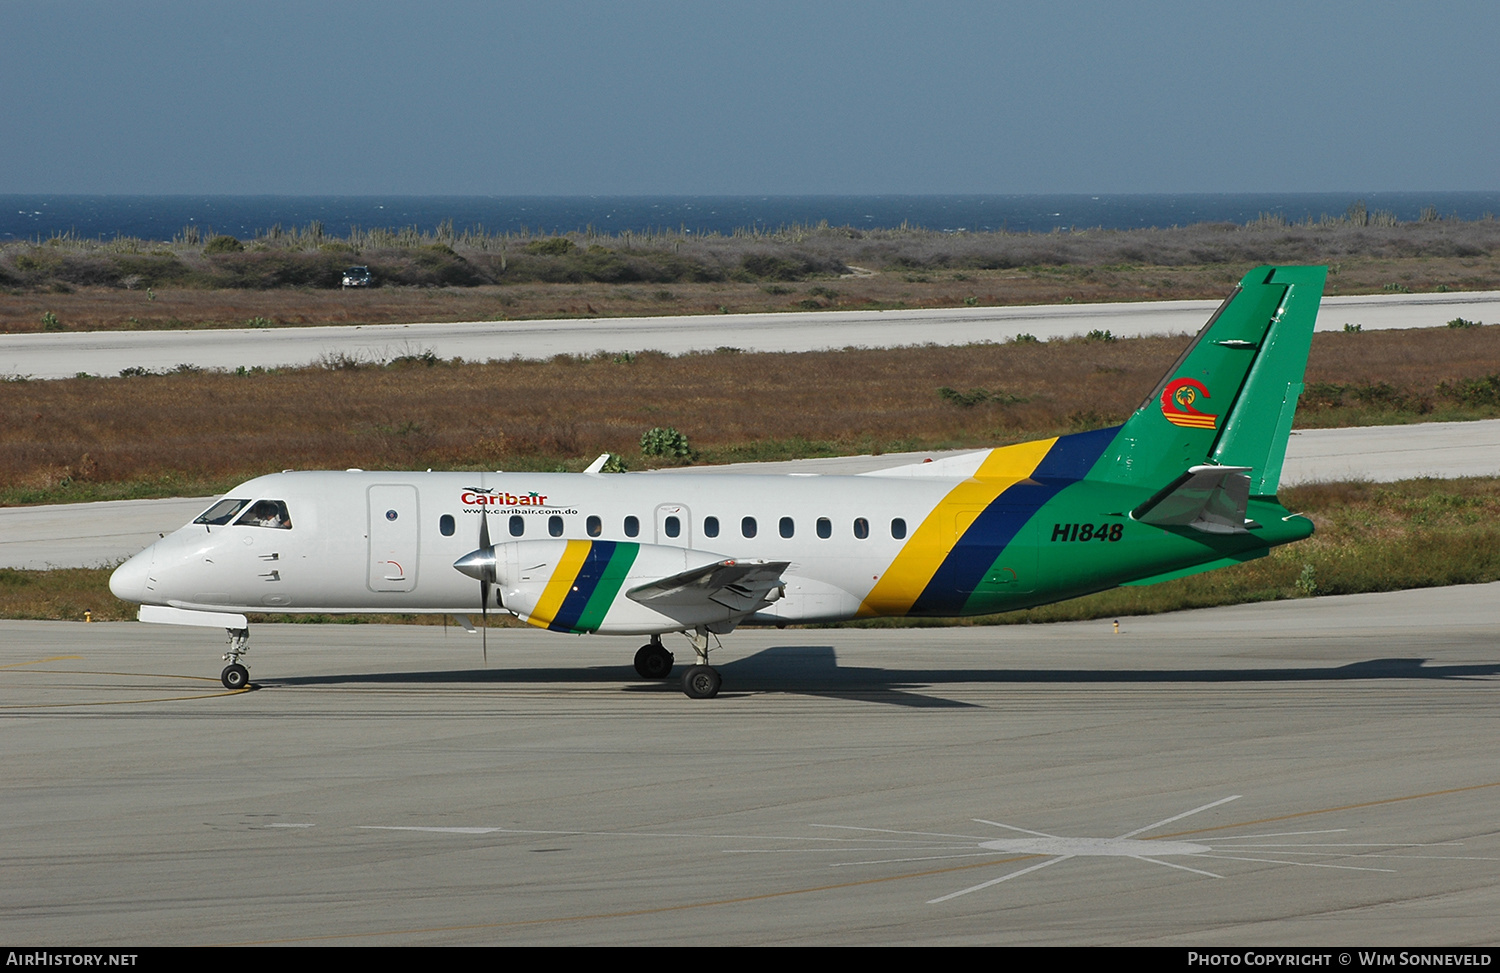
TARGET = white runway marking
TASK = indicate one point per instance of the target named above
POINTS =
(1055, 849)
(1153, 851)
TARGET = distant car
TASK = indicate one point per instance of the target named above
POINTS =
(358, 277)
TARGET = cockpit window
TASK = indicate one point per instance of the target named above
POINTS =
(266, 513)
(221, 513)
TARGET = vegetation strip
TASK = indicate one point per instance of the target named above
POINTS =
(294, 276)
(193, 433)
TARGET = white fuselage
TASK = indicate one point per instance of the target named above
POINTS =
(387, 542)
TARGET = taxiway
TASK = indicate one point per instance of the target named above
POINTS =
(66, 354)
(1311, 772)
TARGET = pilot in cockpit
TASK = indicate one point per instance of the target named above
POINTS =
(268, 513)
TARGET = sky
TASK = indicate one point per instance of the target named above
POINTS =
(574, 97)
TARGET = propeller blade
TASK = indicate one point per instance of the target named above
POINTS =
(484, 589)
(480, 565)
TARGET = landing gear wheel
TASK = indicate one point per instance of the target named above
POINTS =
(653, 661)
(235, 676)
(701, 682)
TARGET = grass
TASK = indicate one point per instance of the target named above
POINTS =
(61, 593)
(1371, 537)
(189, 433)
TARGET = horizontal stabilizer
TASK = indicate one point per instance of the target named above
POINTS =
(1212, 499)
(958, 467)
(740, 586)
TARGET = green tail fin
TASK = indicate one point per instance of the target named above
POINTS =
(1230, 398)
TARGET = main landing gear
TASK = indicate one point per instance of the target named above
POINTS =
(235, 675)
(702, 680)
(653, 661)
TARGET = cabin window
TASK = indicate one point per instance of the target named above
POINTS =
(787, 527)
(594, 526)
(710, 526)
(898, 528)
(671, 526)
(632, 526)
(554, 525)
(825, 528)
(266, 513)
(517, 525)
(221, 513)
(747, 527)
(861, 528)
(446, 525)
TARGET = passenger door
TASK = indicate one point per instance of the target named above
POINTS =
(394, 541)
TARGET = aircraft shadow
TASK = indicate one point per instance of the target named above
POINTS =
(814, 670)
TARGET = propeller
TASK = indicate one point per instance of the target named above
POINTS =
(484, 587)
(480, 565)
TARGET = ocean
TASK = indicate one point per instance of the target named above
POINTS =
(32, 217)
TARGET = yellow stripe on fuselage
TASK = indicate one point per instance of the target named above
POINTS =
(1016, 462)
(560, 583)
(908, 575)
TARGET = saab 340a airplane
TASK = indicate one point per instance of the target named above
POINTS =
(1187, 484)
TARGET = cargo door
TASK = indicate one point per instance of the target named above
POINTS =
(1011, 552)
(995, 551)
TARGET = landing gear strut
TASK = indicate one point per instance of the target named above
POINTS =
(702, 680)
(235, 675)
(653, 661)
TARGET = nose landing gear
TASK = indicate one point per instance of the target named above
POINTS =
(236, 675)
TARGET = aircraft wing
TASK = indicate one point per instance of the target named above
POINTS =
(740, 586)
(1211, 499)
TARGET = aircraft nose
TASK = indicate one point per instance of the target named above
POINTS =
(129, 579)
(479, 565)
